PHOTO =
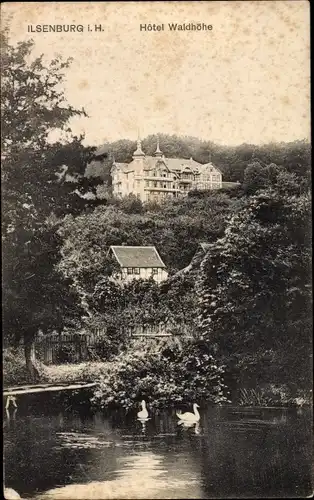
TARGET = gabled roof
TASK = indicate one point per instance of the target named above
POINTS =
(180, 163)
(161, 162)
(137, 256)
(207, 165)
(186, 168)
(171, 163)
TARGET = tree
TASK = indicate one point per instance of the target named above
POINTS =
(255, 301)
(35, 185)
(131, 204)
(255, 177)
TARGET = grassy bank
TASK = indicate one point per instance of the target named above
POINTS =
(14, 372)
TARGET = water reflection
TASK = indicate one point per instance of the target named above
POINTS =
(190, 425)
(139, 476)
(231, 452)
(11, 415)
(143, 422)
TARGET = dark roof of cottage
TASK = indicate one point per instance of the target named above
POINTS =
(137, 256)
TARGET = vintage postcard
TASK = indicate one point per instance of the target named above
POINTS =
(156, 238)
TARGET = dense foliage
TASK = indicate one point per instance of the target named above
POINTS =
(248, 298)
(294, 157)
(255, 288)
(163, 375)
(175, 228)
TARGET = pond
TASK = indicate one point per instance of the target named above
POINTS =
(233, 452)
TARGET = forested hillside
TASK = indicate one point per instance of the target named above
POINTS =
(232, 160)
(249, 298)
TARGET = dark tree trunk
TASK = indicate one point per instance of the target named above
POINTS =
(30, 359)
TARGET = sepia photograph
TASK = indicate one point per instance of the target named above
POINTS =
(156, 250)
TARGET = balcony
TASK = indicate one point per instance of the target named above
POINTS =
(162, 189)
(186, 181)
(162, 179)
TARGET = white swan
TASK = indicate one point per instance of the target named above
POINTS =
(143, 414)
(189, 416)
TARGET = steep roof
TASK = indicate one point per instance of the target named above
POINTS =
(205, 166)
(137, 256)
(173, 164)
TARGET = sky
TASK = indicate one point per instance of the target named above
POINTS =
(245, 81)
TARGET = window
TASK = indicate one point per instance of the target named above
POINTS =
(136, 270)
(155, 271)
(130, 270)
(165, 185)
(155, 184)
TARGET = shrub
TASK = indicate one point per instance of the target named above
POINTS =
(162, 375)
(90, 371)
(66, 354)
(254, 397)
(274, 395)
(110, 344)
(14, 369)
